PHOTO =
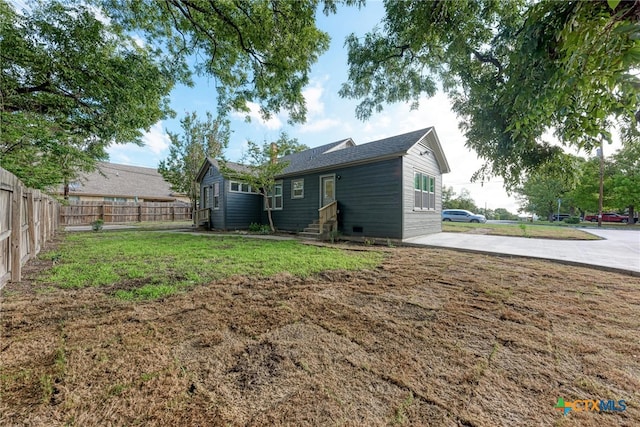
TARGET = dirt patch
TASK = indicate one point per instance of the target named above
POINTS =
(428, 338)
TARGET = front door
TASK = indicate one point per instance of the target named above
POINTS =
(328, 190)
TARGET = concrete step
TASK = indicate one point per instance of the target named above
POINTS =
(312, 229)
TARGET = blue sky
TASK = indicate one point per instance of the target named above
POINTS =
(330, 118)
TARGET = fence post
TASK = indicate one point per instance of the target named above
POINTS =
(139, 213)
(31, 223)
(16, 219)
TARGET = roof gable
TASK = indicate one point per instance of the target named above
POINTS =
(210, 162)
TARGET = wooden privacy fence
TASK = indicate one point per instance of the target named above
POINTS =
(83, 213)
(28, 219)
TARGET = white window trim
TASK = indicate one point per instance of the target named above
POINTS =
(293, 194)
(333, 175)
(239, 190)
(215, 199)
(272, 197)
(413, 186)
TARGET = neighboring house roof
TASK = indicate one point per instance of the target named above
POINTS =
(330, 155)
(114, 180)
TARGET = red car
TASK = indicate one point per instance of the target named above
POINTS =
(608, 217)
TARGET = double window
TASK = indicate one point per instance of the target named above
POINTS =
(424, 191)
(274, 197)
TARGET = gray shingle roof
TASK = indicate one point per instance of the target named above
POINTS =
(314, 159)
(215, 163)
(346, 152)
(122, 181)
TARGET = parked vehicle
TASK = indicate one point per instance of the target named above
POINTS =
(461, 215)
(608, 217)
(562, 217)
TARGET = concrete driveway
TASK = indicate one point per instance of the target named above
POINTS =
(619, 250)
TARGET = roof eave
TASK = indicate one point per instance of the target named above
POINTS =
(442, 160)
(342, 165)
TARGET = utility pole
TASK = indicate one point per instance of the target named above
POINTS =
(601, 196)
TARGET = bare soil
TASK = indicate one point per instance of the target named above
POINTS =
(431, 337)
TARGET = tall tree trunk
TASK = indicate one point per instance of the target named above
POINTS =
(632, 213)
(269, 208)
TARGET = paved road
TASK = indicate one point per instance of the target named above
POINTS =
(618, 250)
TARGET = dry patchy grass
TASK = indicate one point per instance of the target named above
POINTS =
(522, 229)
(427, 338)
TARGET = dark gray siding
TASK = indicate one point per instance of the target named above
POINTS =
(369, 199)
(212, 176)
(416, 222)
(241, 208)
(236, 210)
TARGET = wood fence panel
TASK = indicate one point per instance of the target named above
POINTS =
(6, 194)
(25, 243)
(85, 212)
(25, 225)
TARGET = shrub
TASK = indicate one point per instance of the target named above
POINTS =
(572, 220)
(97, 225)
(254, 227)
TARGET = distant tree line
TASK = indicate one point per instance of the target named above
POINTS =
(452, 200)
(576, 182)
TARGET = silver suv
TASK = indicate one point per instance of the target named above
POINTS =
(461, 215)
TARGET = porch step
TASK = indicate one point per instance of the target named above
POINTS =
(313, 231)
(309, 235)
(312, 228)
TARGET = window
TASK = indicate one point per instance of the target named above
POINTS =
(205, 198)
(115, 199)
(274, 197)
(424, 191)
(216, 195)
(240, 187)
(297, 189)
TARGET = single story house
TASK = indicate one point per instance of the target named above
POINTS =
(113, 182)
(390, 188)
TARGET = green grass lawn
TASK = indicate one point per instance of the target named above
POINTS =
(519, 230)
(146, 265)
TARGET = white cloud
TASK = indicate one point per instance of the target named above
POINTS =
(156, 143)
(319, 125)
(254, 114)
(156, 139)
(312, 96)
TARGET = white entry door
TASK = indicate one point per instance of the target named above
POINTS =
(327, 190)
